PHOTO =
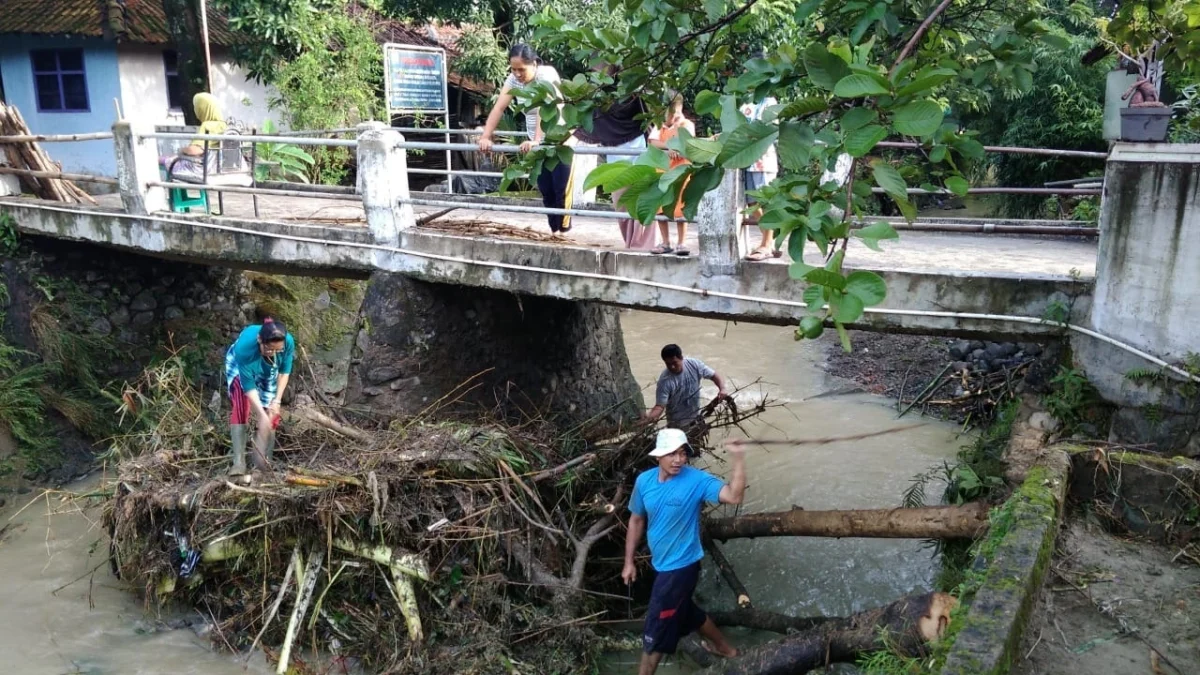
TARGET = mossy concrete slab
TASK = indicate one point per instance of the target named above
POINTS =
(986, 634)
(1146, 495)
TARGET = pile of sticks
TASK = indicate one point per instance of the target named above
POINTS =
(35, 168)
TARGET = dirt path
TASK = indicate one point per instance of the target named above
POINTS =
(1101, 594)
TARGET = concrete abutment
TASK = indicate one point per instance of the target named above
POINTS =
(463, 350)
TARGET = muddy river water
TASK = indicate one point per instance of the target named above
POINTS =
(94, 626)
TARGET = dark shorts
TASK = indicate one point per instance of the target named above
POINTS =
(753, 180)
(672, 613)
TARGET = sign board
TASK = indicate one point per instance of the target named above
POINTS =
(414, 79)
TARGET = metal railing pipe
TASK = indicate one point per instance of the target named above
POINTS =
(458, 132)
(1003, 191)
(512, 149)
(250, 138)
(1008, 150)
(57, 138)
(540, 210)
(237, 189)
(457, 172)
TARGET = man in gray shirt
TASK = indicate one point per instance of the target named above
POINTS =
(678, 391)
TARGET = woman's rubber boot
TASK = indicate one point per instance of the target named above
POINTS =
(271, 447)
(237, 434)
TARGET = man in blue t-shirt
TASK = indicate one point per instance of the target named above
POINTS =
(666, 505)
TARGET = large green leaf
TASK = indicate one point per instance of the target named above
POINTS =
(887, 177)
(795, 145)
(649, 201)
(824, 69)
(814, 297)
(846, 308)
(746, 144)
(872, 234)
(708, 102)
(857, 118)
(858, 85)
(825, 277)
(703, 180)
(861, 141)
(919, 118)
(958, 185)
(604, 173)
(701, 150)
(731, 114)
(799, 270)
(926, 80)
(866, 286)
(808, 105)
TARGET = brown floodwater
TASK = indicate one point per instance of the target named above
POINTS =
(97, 627)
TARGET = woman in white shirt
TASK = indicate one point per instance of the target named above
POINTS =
(554, 184)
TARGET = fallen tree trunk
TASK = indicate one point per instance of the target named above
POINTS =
(905, 626)
(930, 522)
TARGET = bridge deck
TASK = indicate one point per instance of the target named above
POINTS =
(981, 254)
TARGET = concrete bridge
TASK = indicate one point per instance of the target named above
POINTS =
(1129, 302)
(958, 284)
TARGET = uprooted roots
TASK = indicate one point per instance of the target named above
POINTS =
(430, 547)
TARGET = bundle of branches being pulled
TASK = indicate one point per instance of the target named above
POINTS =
(29, 155)
(430, 547)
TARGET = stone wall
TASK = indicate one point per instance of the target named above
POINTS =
(122, 311)
(489, 350)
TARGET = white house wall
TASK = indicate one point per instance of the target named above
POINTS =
(144, 89)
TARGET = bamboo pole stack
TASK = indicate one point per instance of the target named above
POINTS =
(30, 156)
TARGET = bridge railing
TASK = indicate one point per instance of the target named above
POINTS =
(383, 184)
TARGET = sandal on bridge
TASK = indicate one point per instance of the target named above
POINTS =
(662, 249)
(759, 254)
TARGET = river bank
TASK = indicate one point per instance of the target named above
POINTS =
(947, 378)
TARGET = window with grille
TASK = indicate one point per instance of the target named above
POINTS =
(59, 80)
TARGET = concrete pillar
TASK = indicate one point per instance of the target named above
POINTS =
(1147, 288)
(718, 226)
(383, 181)
(519, 354)
(360, 128)
(137, 165)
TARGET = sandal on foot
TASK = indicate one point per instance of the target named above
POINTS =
(759, 254)
(682, 252)
(662, 250)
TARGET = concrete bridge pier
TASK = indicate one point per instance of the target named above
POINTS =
(461, 349)
(1147, 281)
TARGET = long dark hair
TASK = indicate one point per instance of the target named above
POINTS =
(525, 53)
(272, 330)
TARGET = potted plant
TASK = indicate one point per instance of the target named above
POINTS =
(1146, 119)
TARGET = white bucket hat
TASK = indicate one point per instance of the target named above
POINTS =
(668, 441)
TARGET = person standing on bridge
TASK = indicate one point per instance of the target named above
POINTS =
(665, 505)
(554, 184)
(659, 138)
(678, 390)
(257, 368)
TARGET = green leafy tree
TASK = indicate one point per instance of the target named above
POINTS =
(1174, 25)
(1064, 110)
(850, 75)
(183, 22)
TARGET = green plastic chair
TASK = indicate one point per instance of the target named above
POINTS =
(181, 200)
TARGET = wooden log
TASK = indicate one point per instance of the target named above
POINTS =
(761, 619)
(930, 522)
(906, 626)
(727, 572)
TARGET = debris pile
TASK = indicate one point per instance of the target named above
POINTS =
(423, 546)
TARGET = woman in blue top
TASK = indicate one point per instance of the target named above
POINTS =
(257, 368)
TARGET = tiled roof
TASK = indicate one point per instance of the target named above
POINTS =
(137, 21)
